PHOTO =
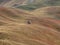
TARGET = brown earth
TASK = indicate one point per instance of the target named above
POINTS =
(15, 30)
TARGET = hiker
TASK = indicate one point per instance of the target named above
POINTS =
(28, 21)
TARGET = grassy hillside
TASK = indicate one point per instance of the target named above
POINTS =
(51, 11)
(29, 4)
(40, 3)
(16, 30)
(12, 3)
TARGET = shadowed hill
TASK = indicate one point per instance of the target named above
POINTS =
(35, 4)
(16, 31)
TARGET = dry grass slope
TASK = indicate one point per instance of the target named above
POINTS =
(49, 11)
(16, 31)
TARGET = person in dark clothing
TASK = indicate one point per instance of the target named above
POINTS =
(28, 21)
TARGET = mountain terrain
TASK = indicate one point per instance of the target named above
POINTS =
(29, 4)
(29, 22)
(15, 29)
